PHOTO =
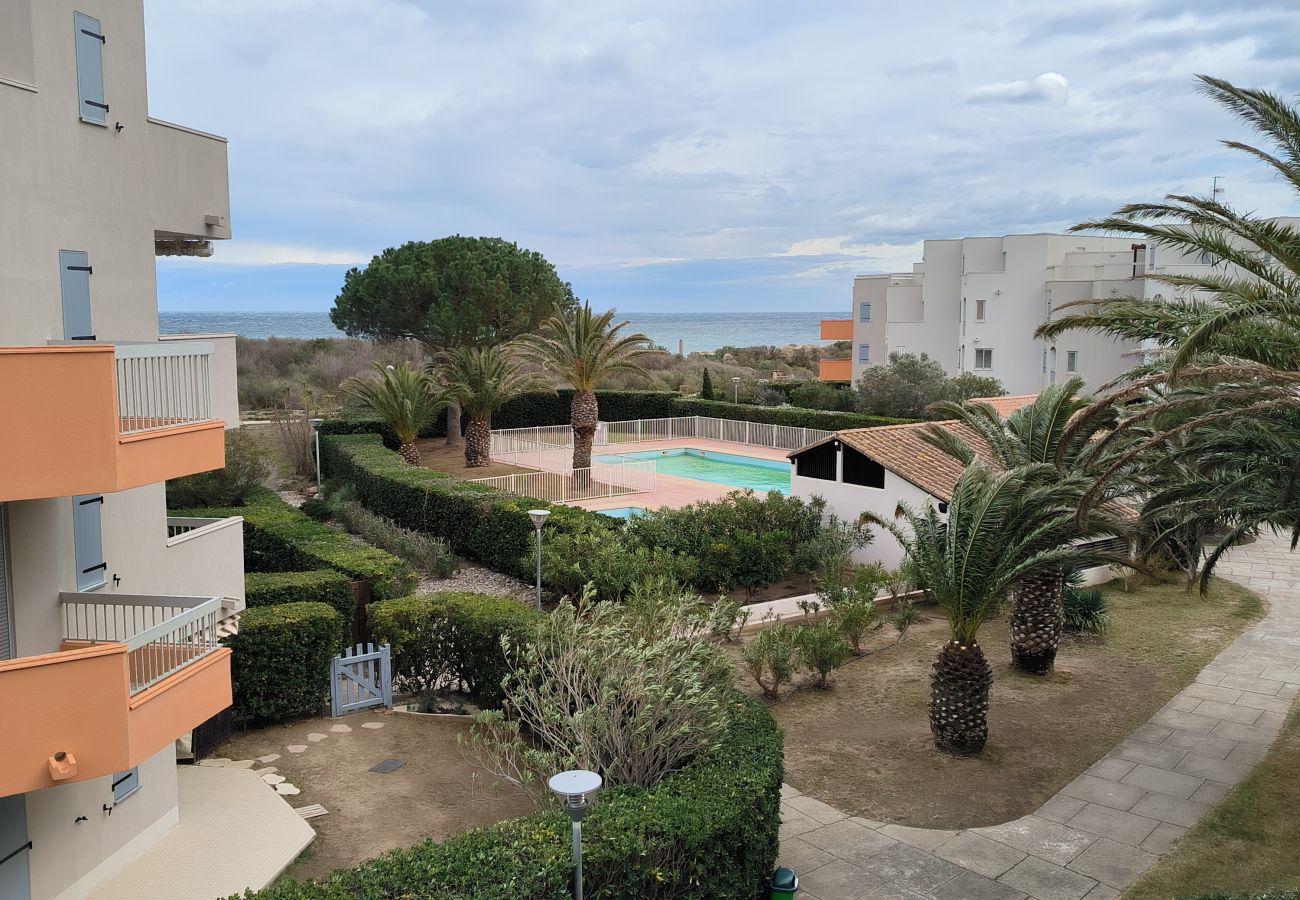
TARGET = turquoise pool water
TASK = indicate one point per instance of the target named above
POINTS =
(623, 512)
(760, 475)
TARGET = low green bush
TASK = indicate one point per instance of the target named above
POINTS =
(279, 538)
(599, 553)
(319, 586)
(706, 831)
(431, 555)
(1271, 894)
(778, 415)
(451, 636)
(478, 522)
(280, 659)
(245, 470)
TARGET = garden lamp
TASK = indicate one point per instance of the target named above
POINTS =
(315, 427)
(575, 789)
(735, 385)
(539, 519)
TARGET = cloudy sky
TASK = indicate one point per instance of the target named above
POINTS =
(687, 156)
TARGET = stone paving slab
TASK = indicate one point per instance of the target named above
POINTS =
(1106, 827)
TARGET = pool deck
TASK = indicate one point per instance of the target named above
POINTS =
(673, 491)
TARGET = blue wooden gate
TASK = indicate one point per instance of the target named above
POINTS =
(361, 677)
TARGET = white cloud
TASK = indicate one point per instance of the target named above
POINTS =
(1050, 87)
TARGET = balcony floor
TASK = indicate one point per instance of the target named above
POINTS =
(234, 833)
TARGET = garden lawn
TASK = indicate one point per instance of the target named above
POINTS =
(1250, 842)
(864, 746)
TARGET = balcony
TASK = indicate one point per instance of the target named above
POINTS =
(97, 418)
(835, 369)
(133, 674)
(837, 329)
(189, 175)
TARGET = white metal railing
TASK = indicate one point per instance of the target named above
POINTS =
(162, 634)
(542, 448)
(178, 525)
(602, 479)
(161, 385)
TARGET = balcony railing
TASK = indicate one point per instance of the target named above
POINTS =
(178, 525)
(162, 634)
(163, 385)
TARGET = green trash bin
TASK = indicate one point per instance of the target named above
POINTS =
(785, 884)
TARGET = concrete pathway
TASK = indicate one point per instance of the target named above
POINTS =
(1108, 826)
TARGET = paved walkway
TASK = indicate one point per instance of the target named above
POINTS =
(1108, 826)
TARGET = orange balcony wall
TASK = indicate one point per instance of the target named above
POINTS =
(78, 701)
(96, 419)
(837, 329)
(836, 370)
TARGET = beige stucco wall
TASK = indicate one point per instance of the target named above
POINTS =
(68, 858)
(848, 501)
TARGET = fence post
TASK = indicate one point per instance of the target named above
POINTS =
(334, 687)
(386, 674)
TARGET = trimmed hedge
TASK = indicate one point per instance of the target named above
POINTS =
(781, 415)
(280, 659)
(708, 831)
(320, 586)
(454, 635)
(479, 522)
(279, 538)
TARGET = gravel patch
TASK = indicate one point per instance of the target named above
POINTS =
(477, 579)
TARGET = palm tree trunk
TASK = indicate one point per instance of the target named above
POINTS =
(453, 424)
(478, 444)
(584, 413)
(410, 453)
(959, 699)
(1036, 622)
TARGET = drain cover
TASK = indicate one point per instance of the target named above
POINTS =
(388, 766)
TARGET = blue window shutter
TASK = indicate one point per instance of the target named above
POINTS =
(864, 312)
(125, 784)
(74, 284)
(864, 353)
(88, 541)
(90, 69)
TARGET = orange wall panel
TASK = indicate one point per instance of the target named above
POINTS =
(837, 329)
(170, 453)
(836, 370)
(178, 703)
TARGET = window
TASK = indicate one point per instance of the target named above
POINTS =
(125, 784)
(89, 36)
(862, 470)
(88, 541)
(864, 353)
(864, 312)
(1044, 359)
(818, 462)
(983, 358)
(1071, 360)
(980, 303)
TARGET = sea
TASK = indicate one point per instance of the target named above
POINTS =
(696, 331)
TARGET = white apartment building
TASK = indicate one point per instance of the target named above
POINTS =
(110, 611)
(973, 304)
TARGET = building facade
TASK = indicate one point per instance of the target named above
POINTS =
(110, 612)
(973, 304)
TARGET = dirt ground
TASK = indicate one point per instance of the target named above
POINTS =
(865, 747)
(433, 795)
(435, 454)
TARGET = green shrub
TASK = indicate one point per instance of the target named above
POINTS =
(821, 395)
(320, 586)
(707, 831)
(770, 657)
(598, 553)
(245, 471)
(429, 554)
(821, 649)
(280, 659)
(279, 538)
(1084, 609)
(478, 522)
(777, 415)
(451, 637)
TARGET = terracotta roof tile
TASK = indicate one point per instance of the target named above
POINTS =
(900, 449)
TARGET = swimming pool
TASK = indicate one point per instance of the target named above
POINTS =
(760, 475)
(622, 512)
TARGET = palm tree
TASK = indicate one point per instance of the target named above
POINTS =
(480, 380)
(581, 350)
(401, 397)
(1228, 354)
(1002, 527)
(1038, 434)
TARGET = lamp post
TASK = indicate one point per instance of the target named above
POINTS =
(576, 789)
(735, 388)
(539, 519)
(315, 427)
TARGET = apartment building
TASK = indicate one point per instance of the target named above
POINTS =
(110, 611)
(973, 304)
